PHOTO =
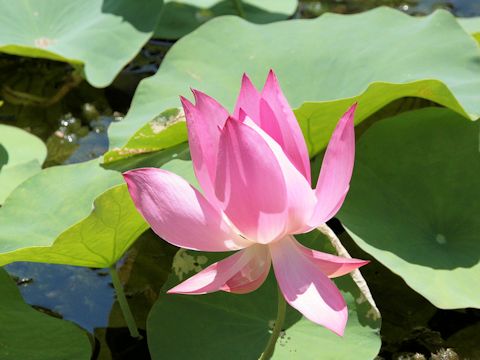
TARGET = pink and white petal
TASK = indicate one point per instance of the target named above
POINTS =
(270, 124)
(301, 199)
(336, 172)
(259, 189)
(240, 273)
(178, 213)
(331, 265)
(249, 183)
(203, 122)
(290, 137)
(248, 100)
(306, 288)
(253, 274)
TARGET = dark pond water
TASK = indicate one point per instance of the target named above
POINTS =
(75, 130)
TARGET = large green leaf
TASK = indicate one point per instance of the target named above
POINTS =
(472, 26)
(323, 65)
(101, 35)
(223, 325)
(21, 156)
(180, 17)
(413, 203)
(99, 240)
(28, 334)
(49, 218)
(49, 203)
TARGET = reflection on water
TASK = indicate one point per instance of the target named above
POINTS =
(79, 294)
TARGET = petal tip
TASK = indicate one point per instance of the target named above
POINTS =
(340, 332)
(351, 110)
(172, 291)
(242, 115)
(246, 78)
(130, 174)
(186, 104)
(247, 86)
(197, 94)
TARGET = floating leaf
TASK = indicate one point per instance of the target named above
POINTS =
(164, 131)
(21, 156)
(100, 35)
(324, 65)
(412, 203)
(236, 320)
(97, 241)
(58, 224)
(180, 17)
(472, 26)
(49, 203)
(28, 334)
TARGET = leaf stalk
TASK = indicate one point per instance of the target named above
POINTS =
(122, 301)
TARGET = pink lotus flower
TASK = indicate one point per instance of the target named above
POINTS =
(254, 170)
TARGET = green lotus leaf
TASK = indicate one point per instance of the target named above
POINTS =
(472, 26)
(412, 203)
(28, 334)
(223, 325)
(163, 132)
(82, 214)
(180, 17)
(100, 35)
(47, 204)
(21, 156)
(98, 241)
(49, 218)
(323, 65)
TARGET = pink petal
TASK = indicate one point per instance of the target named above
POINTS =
(203, 122)
(260, 190)
(337, 167)
(306, 288)
(178, 213)
(290, 136)
(331, 265)
(248, 100)
(240, 273)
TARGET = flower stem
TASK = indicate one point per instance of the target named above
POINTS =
(239, 6)
(122, 301)
(277, 328)
(355, 274)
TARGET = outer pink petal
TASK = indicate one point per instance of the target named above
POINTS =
(331, 265)
(240, 273)
(179, 213)
(337, 167)
(290, 136)
(248, 100)
(306, 288)
(259, 189)
(203, 123)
